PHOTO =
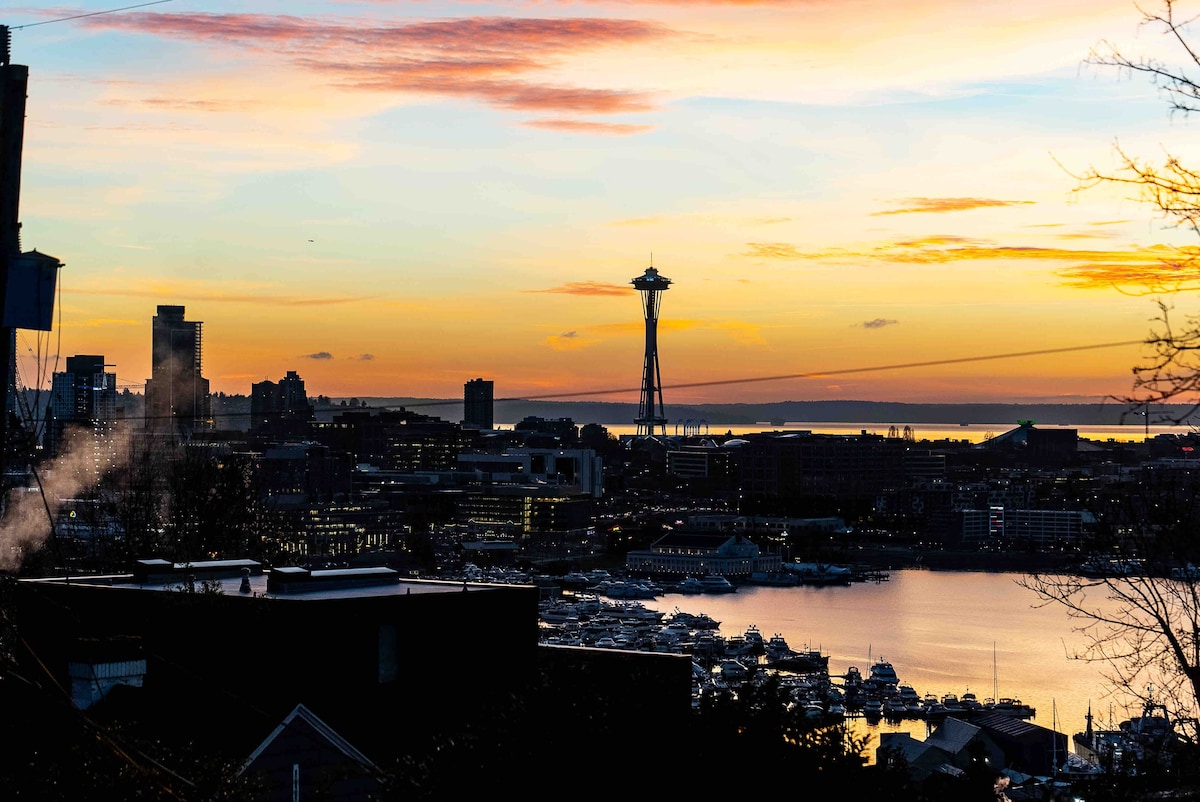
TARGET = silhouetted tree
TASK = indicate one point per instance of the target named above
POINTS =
(1171, 371)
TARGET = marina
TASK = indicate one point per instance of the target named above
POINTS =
(967, 633)
(722, 663)
(947, 635)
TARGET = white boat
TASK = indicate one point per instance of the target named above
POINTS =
(819, 573)
(754, 640)
(883, 673)
(690, 584)
(734, 671)
(627, 589)
(715, 583)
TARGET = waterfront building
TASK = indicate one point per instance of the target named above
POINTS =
(478, 408)
(956, 745)
(1041, 529)
(177, 394)
(682, 553)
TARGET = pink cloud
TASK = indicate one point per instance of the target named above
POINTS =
(587, 288)
(589, 127)
(480, 58)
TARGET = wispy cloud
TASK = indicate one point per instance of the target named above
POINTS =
(589, 127)
(877, 323)
(741, 332)
(587, 288)
(364, 357)
(568, 341)
(940, 205)
(98, 322)
(487, 59)
(776, 250)
(638, 221)
(318, 355)
(205, 294)
(1151, 268)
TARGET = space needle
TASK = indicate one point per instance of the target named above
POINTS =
(651, 417)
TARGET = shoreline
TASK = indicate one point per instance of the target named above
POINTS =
(896, 558)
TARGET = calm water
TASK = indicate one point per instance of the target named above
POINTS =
(944, 631)
(974, 432)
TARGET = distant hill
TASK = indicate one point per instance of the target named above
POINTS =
(607, 413)
(232, 411)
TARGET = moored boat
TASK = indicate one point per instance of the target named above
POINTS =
(715, 583)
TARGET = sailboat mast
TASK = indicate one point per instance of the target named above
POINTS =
(1054, 736)
(995, 679)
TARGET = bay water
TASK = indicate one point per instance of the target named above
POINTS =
(943, 631)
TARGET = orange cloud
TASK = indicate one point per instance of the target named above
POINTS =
(1156, 268)
(585, 127)
(228, 297)
(939, 205)
(475, 57)
(568, 341)
(776, 250)
(587, 288)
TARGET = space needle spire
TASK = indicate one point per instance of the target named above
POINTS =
(651, 417)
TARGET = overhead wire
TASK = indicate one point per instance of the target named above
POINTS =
(815, 374)
(89, 14)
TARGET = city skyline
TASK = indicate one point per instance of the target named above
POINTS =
(394, 198)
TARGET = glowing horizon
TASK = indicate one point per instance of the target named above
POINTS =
(394, 198)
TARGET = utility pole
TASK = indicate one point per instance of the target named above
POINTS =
(27, 280)
(14, 86)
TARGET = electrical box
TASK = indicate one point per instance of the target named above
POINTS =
(29, 295)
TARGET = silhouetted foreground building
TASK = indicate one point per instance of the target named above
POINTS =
(368, 663)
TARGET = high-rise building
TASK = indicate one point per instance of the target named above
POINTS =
(282, 408)
(477, 404)
(177, 397)
(83, 402)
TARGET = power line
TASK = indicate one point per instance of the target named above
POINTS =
(744, 380)
(92, 14)
(837, 371)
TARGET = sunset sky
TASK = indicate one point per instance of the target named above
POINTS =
(392, 198)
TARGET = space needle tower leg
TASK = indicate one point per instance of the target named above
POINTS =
(651, 417)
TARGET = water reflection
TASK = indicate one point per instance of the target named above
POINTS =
(944, 631)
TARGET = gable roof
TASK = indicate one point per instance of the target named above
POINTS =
(301, 719)
(953, 735)
(677, 539)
